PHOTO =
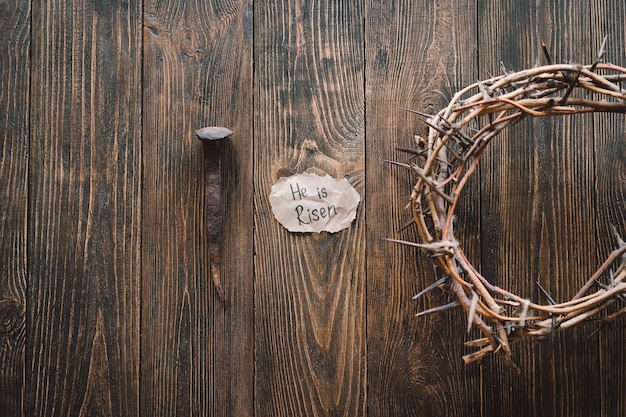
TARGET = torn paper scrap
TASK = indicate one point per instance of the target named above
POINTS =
(311, 203)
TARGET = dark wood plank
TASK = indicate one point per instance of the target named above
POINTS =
(418, 55)
(610, 180)
(83, 226)
(506, 252)
(309, 288)
(14, 82)
(538, 202)
(197, 352)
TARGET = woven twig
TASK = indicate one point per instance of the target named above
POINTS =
(448, 157)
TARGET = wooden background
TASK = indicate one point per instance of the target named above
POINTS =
(106, 307)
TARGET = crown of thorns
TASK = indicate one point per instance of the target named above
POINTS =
(444, 162)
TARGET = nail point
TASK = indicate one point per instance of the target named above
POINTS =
(213, 133)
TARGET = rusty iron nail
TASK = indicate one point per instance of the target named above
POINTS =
(211, 137)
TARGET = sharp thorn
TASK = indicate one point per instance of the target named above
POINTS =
(483, 91)
(611, 278)
(595, 331)
(407, 225)
(546, 294)
(605, 287)
(546, 53)
(419, 112)
(620, 241)
(400, 164)
(503, 68)
(412, 151)
(437, 247)
(432, 186)
(435, 127)
(602, 50)
(430, 287)
(438, 309)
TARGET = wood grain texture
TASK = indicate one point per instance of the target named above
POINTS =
(14, 126)
(418, 55)
(309, 288)
(512, 250)
(83, 225)
(106, 301)
(539, 205)
(610, 201)
(197, 352)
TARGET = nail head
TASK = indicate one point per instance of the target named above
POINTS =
(213, 133)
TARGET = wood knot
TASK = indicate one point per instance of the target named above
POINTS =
(10, 315)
